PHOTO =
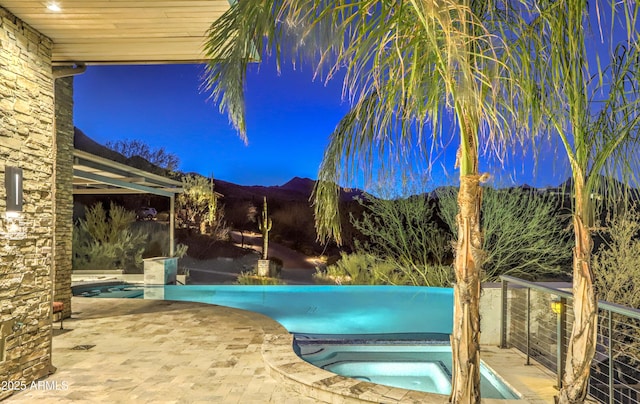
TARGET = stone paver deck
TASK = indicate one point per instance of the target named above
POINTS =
(148, 351)
(161, 351)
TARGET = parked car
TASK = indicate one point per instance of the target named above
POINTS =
(146, 213)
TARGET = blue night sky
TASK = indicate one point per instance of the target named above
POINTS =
(289, 120)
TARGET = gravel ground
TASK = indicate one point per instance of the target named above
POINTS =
(297, 268)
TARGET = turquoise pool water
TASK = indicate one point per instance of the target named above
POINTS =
(334, 309)
(423, 365)
(109, 289)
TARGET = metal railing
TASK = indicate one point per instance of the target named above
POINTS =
(537, 320)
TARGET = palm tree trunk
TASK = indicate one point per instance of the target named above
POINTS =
(582, 345)
(465, 339)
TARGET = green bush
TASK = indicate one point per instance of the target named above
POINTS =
(524, 236)
(330, 276)
(367, 269)
(403, 235)
(197, 208)
(616, 270)
(107, 242)
(250, 278)
(157, 240)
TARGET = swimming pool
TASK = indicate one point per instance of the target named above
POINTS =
(394, 335)
(109, 290)
(334, 309)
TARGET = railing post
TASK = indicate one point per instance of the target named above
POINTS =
(528, 326)
(610, 349)
(503, 315)
(561, 320)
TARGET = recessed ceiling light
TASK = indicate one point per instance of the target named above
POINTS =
(54, 7)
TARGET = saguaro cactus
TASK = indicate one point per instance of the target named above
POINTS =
(265, 226)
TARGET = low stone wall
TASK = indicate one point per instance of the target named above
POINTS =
(490, 314)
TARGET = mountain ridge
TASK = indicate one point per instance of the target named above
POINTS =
(297, 189)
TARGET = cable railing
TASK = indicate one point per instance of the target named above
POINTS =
(537, 320)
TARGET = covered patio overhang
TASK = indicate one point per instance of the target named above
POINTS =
(121, 32)
(95, 175)
(115, 32)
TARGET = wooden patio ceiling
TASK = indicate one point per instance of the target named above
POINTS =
(121, 31)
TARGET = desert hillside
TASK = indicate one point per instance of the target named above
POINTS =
(289, 204)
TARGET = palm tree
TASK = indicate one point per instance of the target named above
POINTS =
(595, 114)
(406, 64)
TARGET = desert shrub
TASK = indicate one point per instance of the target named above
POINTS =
(89, 254)
(278, 264)
(218, 228)
(157, 240)
(403, 233)
(197, 207)
(523, 234)
(331, 275)
(367, 269)
(294, 222)
(359, 268)
(616, 270)
(250, 278)
(107, 242)
(180, 250)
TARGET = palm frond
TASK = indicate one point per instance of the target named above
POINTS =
(593, 109)
(615, 130)
(416, 73)
(421, 61)
(234, 40)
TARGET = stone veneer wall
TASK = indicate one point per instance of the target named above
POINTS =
(26, 141)
(63, 194)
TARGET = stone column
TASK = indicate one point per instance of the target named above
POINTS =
(63, 192)
(26, 141)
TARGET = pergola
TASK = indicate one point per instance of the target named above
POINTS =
(95, 175)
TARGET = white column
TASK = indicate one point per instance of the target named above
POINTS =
(172, 225)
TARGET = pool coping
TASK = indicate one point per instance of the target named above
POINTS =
(283, 364)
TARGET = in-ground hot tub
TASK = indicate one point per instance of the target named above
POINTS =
(414, 362)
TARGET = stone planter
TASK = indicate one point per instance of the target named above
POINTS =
(160, 271)
(267, 268)
(182, 279)
(263, 268)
